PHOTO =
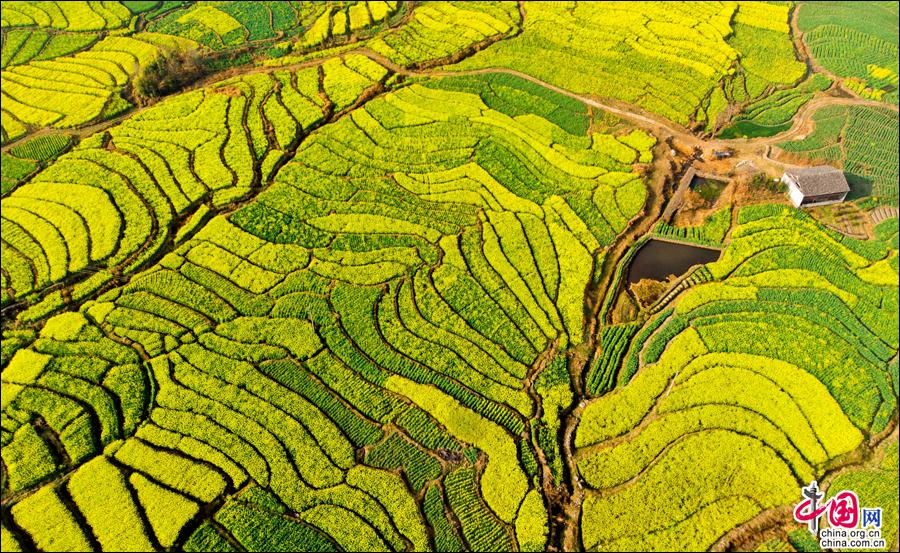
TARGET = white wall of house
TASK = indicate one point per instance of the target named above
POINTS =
(793, 190)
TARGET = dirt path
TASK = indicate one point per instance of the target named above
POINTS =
(659, 126)
(812, 65)
(662, 125)
(567, 536)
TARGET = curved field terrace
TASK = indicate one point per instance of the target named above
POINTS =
(432, 276)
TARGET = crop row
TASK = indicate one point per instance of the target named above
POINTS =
(554, 388)
(371, 515)
(88, 389)
(433, 31)
(23, 45)
(336, 23)
(127, 500)
(847, 42)
(518, 97)
(389, 318)
(614, 342)
(711, 233)
(74, 89)
(667, 65)
(888, 231)
(875, 485)
(781, 361)
(67, 79)
(231, 24)
(164, 162)
(442, 29)
(23, 160)
(767, 60)
(69, 16)
(774, 112)
(480, 529)
(257, 521)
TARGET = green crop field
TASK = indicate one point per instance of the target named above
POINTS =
(360, 276)
(860, 138)
(856, 42)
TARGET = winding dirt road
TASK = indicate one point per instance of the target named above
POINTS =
(802, 121)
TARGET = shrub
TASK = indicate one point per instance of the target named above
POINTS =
(170, 71)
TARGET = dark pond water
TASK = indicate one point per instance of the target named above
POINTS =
(709, 189)
(657, 259)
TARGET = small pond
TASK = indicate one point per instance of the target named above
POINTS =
(657, 259)
(709, 189)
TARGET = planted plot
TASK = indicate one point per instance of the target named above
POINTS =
(355, 340)
(721, 378)
(344, 21)
(859, 138)
(434, 31)
(766, 75)
(441, 29)
(138, 180)
(88, 389)
(855, 42)
(876, 486)
(667, 63)
(63, 69)
(72, 90)
(29, 157)
(774, 113)
(23, 45)
(224, 25)
(354, 304)
(613, 343)
(70, 16)
(711, 233)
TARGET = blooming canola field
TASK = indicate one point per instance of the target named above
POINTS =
(354, 287)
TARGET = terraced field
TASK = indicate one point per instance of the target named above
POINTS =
(859, 138)
(358, 286)
(69, 79)
(858, 43)
(468, 276)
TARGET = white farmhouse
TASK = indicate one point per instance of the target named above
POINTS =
(816, 185)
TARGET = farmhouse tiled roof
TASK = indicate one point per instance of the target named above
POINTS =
(823, 179)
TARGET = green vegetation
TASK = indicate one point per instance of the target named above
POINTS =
(186, 156)
(736, 388)
(347, 19)
(349, 276)
(222, 25)
(876, 487)
(67, 16)
(636, 53)
(168, 72)
(803, 540)
(613, 343)
(416, 257)
(74, 89)
(855, 41)
(67, 64)
(23, 45)
(711, 233)
(859, 138)
(774, 113)
(768, 70)
(24, 159)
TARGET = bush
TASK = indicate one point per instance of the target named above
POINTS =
(170, 71)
